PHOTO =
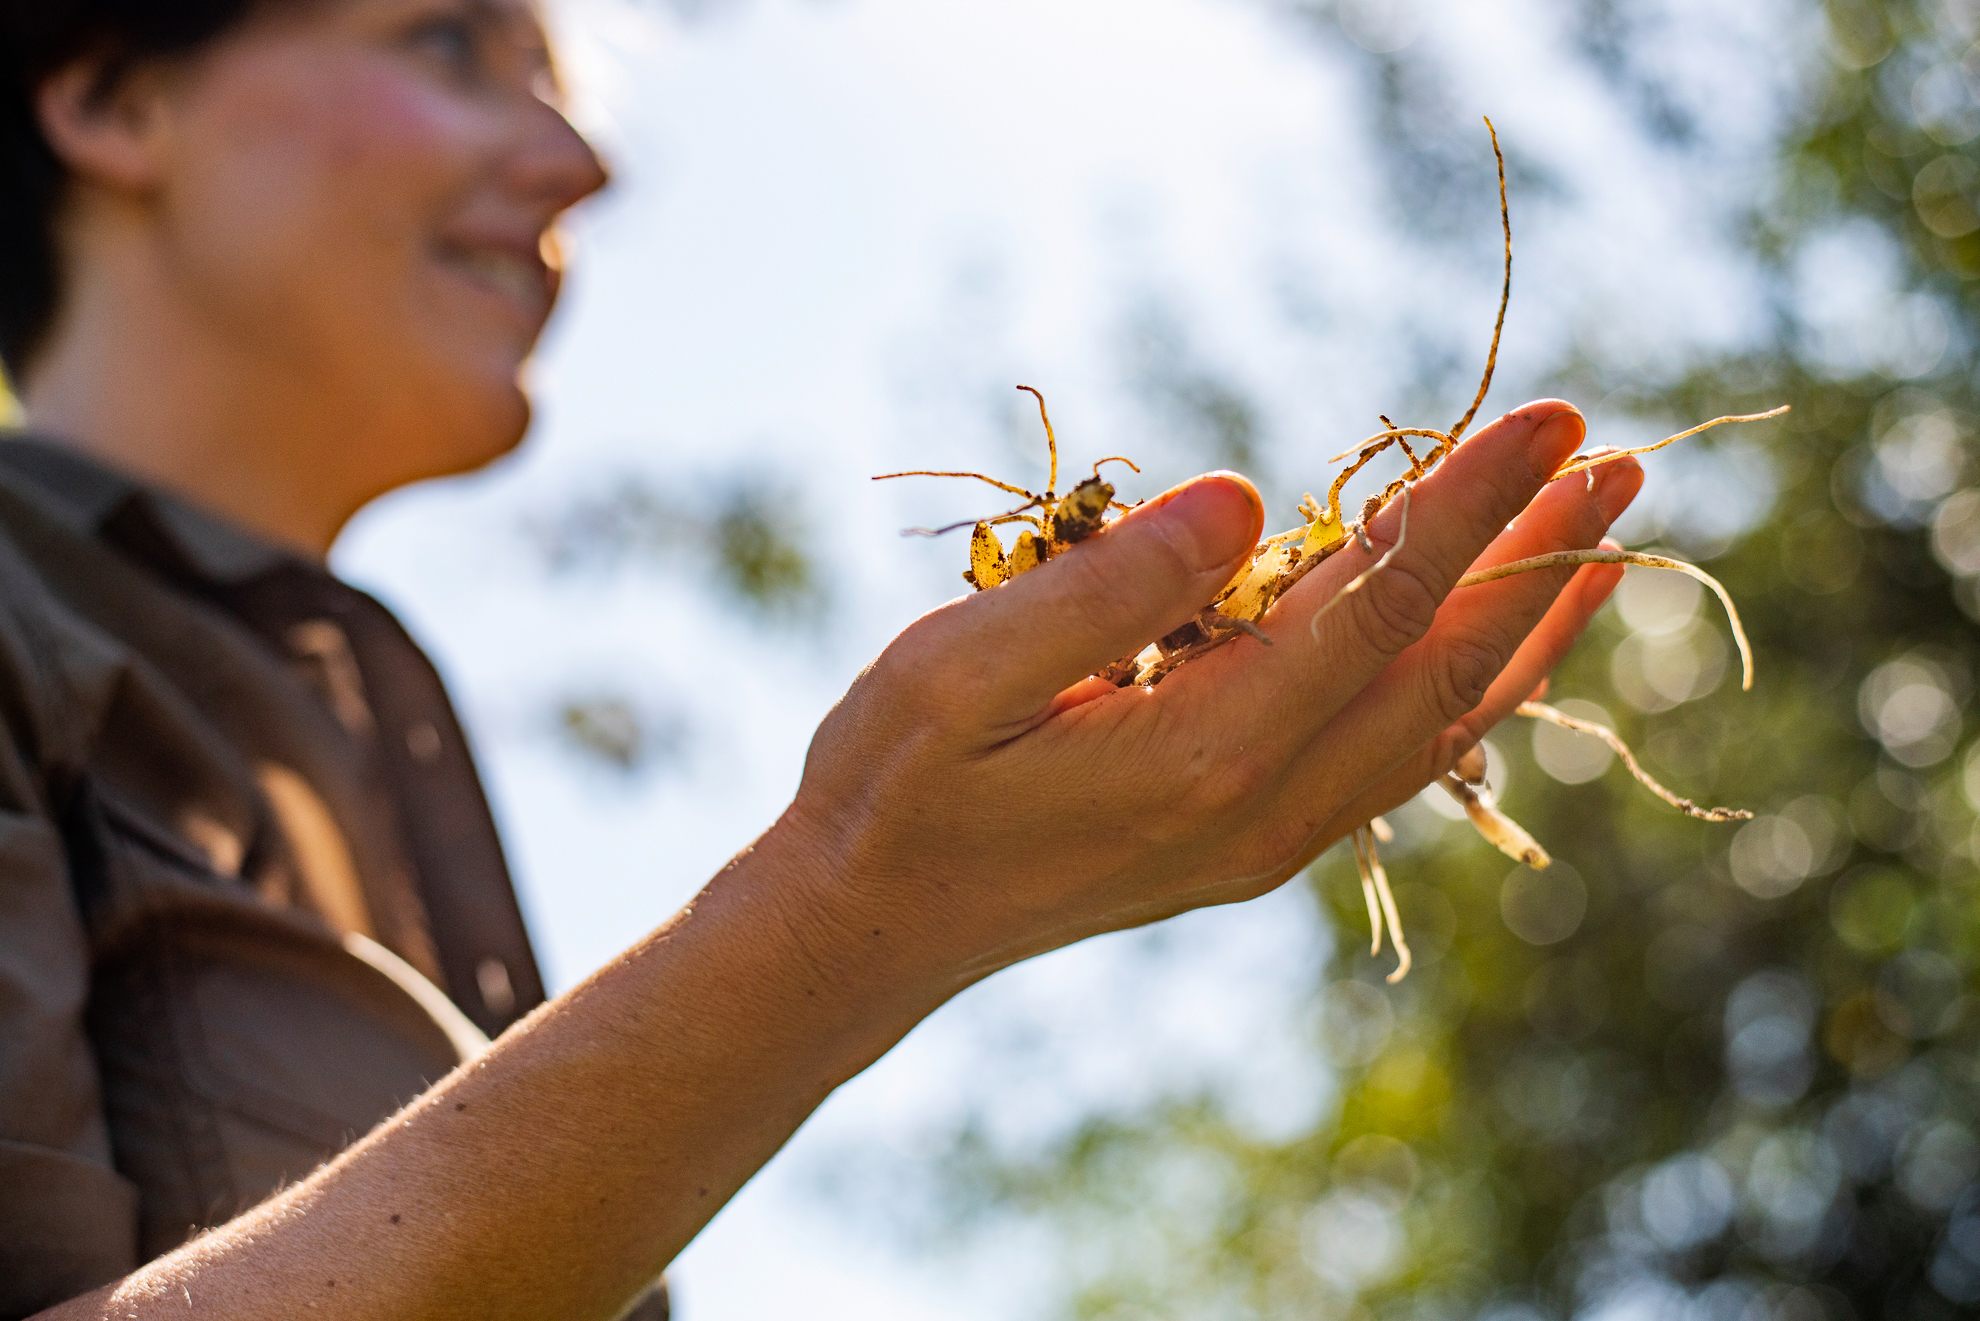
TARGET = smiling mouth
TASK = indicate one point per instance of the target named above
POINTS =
(523, 280)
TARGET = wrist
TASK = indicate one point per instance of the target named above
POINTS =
(863, 970)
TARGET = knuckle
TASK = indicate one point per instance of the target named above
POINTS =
(1398, 606)
(1449, 749)
(1461, 671)
(910, 680)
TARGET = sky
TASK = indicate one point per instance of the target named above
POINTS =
(840, 232)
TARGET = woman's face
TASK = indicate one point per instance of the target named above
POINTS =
(361, 198)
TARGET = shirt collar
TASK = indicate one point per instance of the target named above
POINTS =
(100, 500)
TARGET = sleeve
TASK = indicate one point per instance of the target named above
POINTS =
(68, 1220)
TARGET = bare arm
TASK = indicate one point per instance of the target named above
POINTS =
(558, 1174)
(971, 802)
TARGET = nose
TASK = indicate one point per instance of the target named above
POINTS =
(557, 164)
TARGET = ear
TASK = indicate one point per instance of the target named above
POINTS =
(108, 131)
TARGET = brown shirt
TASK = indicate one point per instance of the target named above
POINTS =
(251, 898)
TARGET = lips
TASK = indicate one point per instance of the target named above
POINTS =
(516, 274)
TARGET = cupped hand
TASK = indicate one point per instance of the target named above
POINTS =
(976, 792)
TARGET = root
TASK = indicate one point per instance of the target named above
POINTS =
(1064, 521)
(1051, 441)
(1368, 893)
(1360, 580)
(1555, 716)
(974, 476)
(1596, 461)
(1566, 558)
(1016, 517)
(1505, 296)
(1416, 468)
(1346, 475)
(1281, 561)
(1500, 831)
(1009, 516)
(1381, 901)
(1213, 623)
(1381, 440)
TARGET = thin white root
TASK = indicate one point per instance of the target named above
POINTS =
(1212, 621)
(1555, 716)
(1384, 832)
(1500, 831)
(1571, 558)
(1383, 438)
(1404, 960)
(1375, 888)
(1360, 580)
(1368, 895)
(1472, 767)
(1596, 461)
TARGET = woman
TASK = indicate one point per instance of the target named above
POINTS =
(271, 259)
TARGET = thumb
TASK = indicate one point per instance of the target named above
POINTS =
(1140, 577)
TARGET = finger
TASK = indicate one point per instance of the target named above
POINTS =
(1300, 810)
(1528, 674)
(1385, 745)
(1305, 680)
(1412, 723)
(1011, 651)
(1543, 649)
(1452, 670)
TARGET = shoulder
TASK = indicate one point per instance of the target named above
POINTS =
(55, 664)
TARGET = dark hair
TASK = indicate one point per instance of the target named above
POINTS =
(38, 38)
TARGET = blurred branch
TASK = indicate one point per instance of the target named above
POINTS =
(748, 533)
(744, 540)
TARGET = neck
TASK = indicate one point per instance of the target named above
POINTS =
(157, 397)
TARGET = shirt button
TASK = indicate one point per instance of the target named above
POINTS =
(491, 978)
(423, 741)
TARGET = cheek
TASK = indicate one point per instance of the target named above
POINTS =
(317, 183)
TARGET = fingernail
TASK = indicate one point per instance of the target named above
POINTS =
(1557, 438)
(1616, 484)
(1211, 521)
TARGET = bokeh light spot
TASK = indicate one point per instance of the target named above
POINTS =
(1543, 907)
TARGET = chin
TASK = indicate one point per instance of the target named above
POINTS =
(458, 426)
(498, 427)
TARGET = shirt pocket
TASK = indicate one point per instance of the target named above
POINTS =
(241, 1043)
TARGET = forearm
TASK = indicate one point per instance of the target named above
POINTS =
(560, 1172)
